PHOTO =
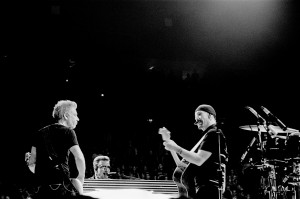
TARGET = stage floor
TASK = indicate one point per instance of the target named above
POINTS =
(127, 194)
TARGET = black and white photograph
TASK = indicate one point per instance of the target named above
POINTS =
(156, 99)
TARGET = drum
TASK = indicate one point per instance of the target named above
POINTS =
(293, 146)
(260, 179)
(291, 180)
(275, 148)
(296, 168)
(292, 187)
(251, 180)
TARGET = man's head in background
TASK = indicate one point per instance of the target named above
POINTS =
(101, 166)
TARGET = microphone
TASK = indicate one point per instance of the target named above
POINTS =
(111, 173)
(273, 117)
(261, 120)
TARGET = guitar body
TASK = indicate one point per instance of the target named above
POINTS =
(183, 178)
(187, 179)
(177, 174)
(184, 181)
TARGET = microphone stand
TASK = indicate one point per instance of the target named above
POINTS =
(220, 177)
(260, 140)
(248, 149)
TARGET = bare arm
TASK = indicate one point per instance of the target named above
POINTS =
(178, 162)
(166, 136)
(80, 162)
(32, 158)
(192, 157)
(196, 158)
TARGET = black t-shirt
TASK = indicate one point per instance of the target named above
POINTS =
(208, 171)
(55, 141)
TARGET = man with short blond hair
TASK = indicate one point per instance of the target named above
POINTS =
(50, 151)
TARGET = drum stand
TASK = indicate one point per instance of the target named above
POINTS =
(294, 179)
(268, 179)
(296, 191)
(271, 188)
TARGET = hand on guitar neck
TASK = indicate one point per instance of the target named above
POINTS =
(181, 164)
(166, 136)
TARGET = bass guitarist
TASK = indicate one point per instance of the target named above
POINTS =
(50, 150)
(201, 172)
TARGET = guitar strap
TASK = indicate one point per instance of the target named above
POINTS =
(195, 147)
(198, 144)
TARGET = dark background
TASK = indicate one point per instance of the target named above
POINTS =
(154, 61)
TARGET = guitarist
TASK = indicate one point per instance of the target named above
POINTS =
(50, 151)
(201, 174)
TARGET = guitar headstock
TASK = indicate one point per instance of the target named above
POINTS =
(165, 133)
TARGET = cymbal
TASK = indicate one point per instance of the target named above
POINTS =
(254, 128)
(289, 131)
(276, 161)
(260, 128)
(294, 183)
(279, 136)
(295, 134)
(295, 159)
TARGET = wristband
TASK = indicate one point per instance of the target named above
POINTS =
(179, 151)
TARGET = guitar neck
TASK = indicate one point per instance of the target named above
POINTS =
(178, 162)
(166, 136)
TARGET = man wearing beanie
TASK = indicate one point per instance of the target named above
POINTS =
(200, 172)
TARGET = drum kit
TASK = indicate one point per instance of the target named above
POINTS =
(276, 159)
